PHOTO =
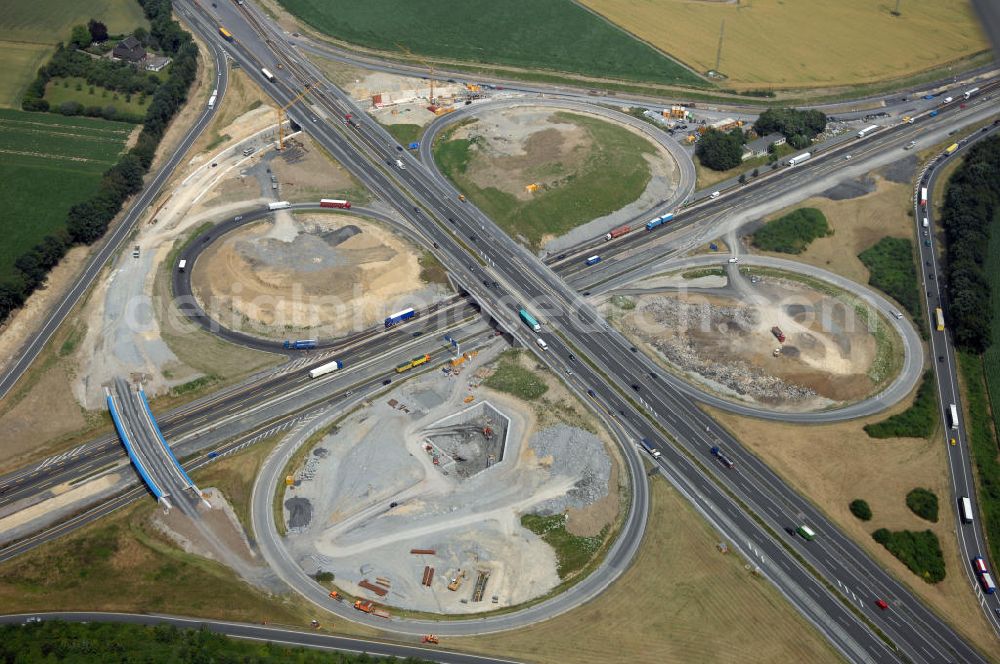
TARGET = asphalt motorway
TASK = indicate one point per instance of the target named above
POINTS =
(586, 333)
(117, 235)
(971, 537)
(282, 636)
(921, 640)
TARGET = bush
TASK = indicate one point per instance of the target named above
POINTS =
(799, 127)
(792, 233)
(861, 509)
(919, 551)
(71, 108)
(923, 503)
(917, 421)
(720, 151)
(892, 270)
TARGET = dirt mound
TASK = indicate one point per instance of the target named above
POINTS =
(317, 274)
(828, 354)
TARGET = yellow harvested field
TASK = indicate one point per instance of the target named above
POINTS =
(802, 43)
(681, 602)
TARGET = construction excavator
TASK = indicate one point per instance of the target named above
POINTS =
(456, 581)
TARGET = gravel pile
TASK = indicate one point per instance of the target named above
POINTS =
(737, 376)
(674, 314)
(574, 452)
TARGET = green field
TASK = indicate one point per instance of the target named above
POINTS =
(48, 164)
(65, 89)
(29, 32)
(556, 35)
(613, 175)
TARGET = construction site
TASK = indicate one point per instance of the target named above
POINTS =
(310, 274)
(415, 500)
(767, 339)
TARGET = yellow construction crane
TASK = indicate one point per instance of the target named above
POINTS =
(429, 66)
(281, 115)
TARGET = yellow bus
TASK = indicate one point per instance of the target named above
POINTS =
(951, 148)
(939, 318)
(226, 34)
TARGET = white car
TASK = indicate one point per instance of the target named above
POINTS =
(734, 259)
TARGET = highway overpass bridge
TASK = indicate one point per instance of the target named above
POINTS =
(148, 450)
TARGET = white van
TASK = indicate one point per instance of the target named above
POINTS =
(399, 163)
(541, 343)
(926, 223)
(734, 259)
(181, 265)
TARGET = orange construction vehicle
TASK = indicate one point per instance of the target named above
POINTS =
(362, 605)
(430, 638)
(335, 595)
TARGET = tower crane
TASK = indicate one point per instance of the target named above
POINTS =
(429, 66)
(281, 115)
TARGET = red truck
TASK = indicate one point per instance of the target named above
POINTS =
(335, 203)
(618, 232)
(778, 334)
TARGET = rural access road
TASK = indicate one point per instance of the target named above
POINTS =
(276, 634)
(109, 245)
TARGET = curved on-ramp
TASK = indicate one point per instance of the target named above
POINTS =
(901, 386)
(616, 560)
(685, 166)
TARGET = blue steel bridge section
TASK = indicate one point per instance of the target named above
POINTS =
(123, 434)
(148, 449)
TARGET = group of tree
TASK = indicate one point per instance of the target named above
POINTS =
(969, 208)
(69, 62)
(87, 221)
(798, 127)
(85, 35)
(720, 150)
(54, 641)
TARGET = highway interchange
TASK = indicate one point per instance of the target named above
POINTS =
(831, 581)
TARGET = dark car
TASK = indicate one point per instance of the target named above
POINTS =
(399, 147)
(572, 358)
(591, 393)
(418, 333)
(636, 387)
(634, 349)
(652, 374)
(560, 257)
(387, 381)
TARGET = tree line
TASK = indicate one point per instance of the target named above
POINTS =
(970, 204)
(721, 150)
(100, 643)
(87, 221)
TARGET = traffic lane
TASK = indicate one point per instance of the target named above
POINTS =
(183, 421)
(278, 635)
(972, 536)
(721, 503)
(107, 248)
(835, 567)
